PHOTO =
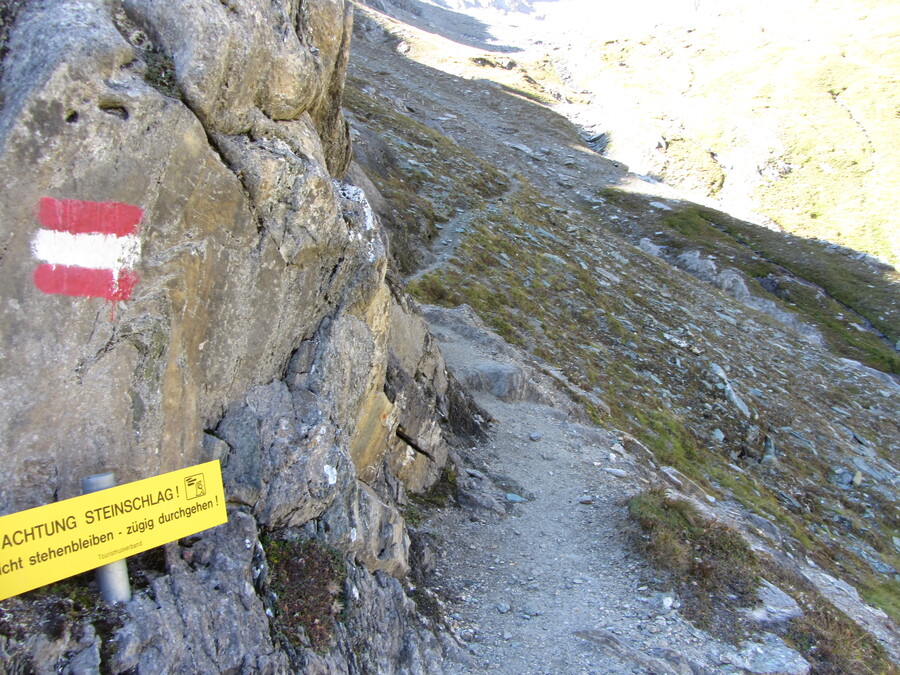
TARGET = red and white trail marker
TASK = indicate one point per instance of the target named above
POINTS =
(88, 249)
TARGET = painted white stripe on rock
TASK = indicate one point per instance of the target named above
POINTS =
(96, 251)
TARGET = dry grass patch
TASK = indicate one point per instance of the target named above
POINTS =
(834, 645)
(306, 580)
(713, 567)
(716, 574)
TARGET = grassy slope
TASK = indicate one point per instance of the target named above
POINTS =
(843, 283)
(798, 108)
(717, 574)
(456, 180)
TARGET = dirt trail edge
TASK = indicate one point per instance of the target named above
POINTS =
(541, 577)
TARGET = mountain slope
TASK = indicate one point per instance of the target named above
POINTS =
(719, 378)
(783, 115)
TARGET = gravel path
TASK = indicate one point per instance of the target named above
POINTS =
(533, 591)
(553, 585)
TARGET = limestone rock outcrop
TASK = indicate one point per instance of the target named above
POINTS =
(185, 277)
(219, 248)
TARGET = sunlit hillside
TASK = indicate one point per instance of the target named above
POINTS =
(789, 112)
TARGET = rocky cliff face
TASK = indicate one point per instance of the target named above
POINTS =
(240, 311)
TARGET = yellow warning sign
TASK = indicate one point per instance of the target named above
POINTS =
(52, 542)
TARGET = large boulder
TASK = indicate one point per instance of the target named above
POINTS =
(236, 260)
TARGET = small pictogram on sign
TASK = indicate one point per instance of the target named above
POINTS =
(195, 486)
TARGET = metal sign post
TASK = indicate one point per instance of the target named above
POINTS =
(112, 577)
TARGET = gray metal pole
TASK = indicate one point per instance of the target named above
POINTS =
(112, 577)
